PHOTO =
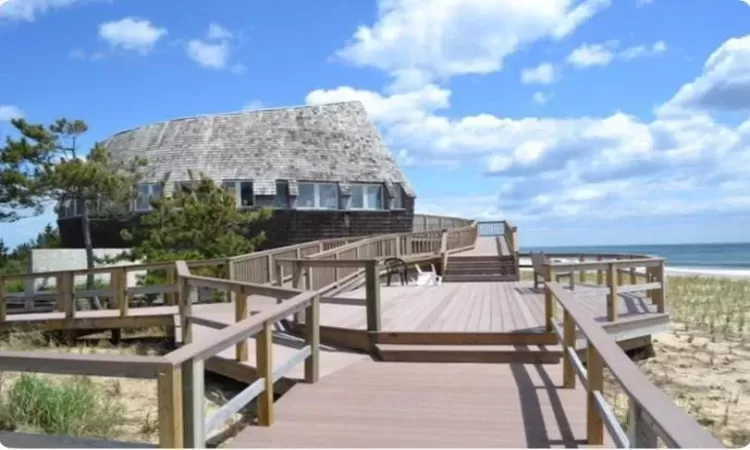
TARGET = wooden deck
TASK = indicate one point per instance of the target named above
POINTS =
(28, 440)
(378, 404)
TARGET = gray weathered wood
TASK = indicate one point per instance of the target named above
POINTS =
(640, 432)
(127, 366)
(312, 339)
(372, 288)
(204, 322)
(572, 355)
(193, 404)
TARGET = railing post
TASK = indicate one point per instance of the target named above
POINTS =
(193, 404)
(271, 268)
(119, 281)
(279, 279)
(65, 294)
(169, 394)
(633, 276)
(640, 434)
(549, 300)
(620, 280)
(398, 246)
(595, 374)
(186, 310)
(659, 296)
(241, 312)
(297, 282)
(372, 288)
(312, 338)
(569, 342)
(599, 273)
(613, 301)
(264, 356)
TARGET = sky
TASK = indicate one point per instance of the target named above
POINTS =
(583, 122)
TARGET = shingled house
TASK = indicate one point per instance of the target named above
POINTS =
(324, 169)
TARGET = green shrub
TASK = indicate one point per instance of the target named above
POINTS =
(74, 407)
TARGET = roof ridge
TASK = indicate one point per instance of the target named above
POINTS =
(242, 111)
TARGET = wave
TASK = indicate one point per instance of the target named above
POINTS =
(709, 271)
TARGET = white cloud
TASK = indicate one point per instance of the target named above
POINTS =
(544, 73)
(8, 112)
(724, 83)
(132, 33)
(207, 54)
(604, 167)
(214, 52)
(639, 51)
(588, 55)
(28, 10)
(457, 37)
(541, 98)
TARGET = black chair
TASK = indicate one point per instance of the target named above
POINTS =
(395, 266)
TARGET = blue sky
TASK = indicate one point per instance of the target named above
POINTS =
(582, 121)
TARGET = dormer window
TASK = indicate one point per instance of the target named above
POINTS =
(146, 193)
(365, 196)
(281, 200)
(318, 196)
(242, 192)
(397, 201)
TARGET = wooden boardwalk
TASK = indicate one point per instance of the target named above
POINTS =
(486, 246)
(378, 404)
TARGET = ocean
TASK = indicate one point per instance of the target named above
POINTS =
(718, 259)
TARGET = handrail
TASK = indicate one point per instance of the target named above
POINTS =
(652, 410)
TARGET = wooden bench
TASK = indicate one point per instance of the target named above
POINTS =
(538, 261)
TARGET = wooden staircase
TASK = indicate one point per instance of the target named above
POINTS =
(463, 269)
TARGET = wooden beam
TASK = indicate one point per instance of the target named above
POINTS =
(169, 393)
(569, 341)
(595, 375)
(241, 312)
(372, 290)
(264, 356)
(194, 404)
(613, 301)
(312, 339)
(549, 300)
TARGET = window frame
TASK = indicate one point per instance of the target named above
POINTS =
(365, 203)
(399, 196)
(237, 187)
(282, 193)
(316, 195)
(150, 194)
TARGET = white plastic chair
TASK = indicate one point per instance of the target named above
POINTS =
(427, 278)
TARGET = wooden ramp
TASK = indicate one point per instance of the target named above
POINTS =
(376, 404)
(486, 246)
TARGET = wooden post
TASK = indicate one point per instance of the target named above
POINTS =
(336, 272)
(640, 434)
(595, 373)
(169, 298)
(633, 276)
(659, 296)
(398, 246)
(169, 393)
(2, 299)
(372, 288)
(119, 280)
(193, 404)
(620, 281)
(569, 340)
(312, 338)
(549, 300)
(65, 294)
(582, 274)
(613, 301)
(264, 361)
(271, 267)
(241, 312)
(228, 275)
(279, 279)
(599, 274)
(186, 310)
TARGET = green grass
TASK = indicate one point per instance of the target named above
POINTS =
(73, 407)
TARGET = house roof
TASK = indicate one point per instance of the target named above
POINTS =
(331, 142)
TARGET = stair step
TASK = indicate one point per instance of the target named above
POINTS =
(480, 277)
(531, 354)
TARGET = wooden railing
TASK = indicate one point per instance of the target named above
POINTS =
(652, 415)
(429, 222)
(619, 273)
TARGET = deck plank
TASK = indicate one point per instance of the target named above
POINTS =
(375, 404)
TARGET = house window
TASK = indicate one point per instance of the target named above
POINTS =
(282, 195)
(318, 196)
(242, 192)
(146, 193)
(366, 196)
(397, 201)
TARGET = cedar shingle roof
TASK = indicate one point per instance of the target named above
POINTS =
(333, 142)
